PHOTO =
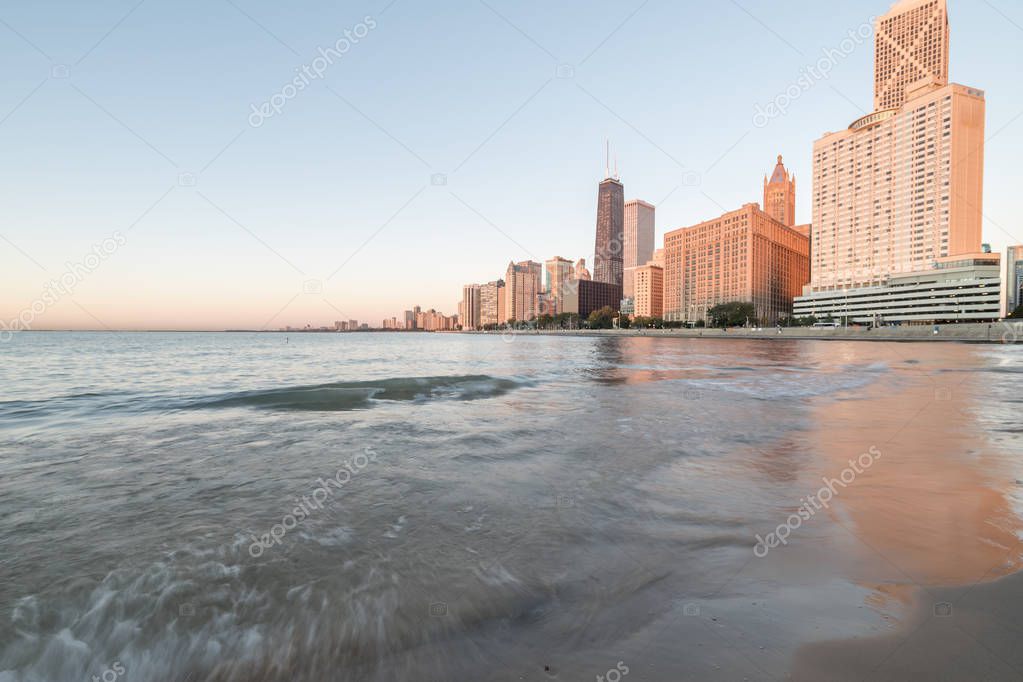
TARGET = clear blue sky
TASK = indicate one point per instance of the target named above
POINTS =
(341, 178)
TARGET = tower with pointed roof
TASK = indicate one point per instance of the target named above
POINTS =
(780, 195)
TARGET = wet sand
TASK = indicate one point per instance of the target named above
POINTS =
(959, 633)
(934, 525)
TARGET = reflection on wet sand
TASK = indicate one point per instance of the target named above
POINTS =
(933, 511)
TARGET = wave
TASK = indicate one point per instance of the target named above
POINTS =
(361, 395)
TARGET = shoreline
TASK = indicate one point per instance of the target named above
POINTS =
(1004, 332)
(994, 333)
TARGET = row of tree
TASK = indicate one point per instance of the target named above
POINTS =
(725, 315)
(734, 314)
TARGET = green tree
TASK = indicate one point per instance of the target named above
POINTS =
(733, 314)
(601, 319)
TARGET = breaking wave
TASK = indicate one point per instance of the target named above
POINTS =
(361, 395)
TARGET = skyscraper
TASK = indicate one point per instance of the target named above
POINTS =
(911, 45)
(559, 274)
(492, 303)
(469, 308)
(523, 287)
(639, 240)
(780, 195)
(610, 243)
(902, 187)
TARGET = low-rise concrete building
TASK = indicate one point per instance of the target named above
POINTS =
(956, 289)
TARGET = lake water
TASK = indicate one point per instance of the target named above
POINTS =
(453, 507)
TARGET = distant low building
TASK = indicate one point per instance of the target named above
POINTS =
(433, 321)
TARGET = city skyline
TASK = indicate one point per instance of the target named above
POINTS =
(197, 255)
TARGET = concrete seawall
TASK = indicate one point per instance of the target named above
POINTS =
(999, 332)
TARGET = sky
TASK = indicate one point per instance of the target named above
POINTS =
(161, 162)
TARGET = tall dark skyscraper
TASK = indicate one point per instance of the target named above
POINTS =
(610, 245)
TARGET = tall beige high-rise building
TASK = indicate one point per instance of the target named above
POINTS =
(560, 271)
(470, 307)
(492, 303)
(640, 220)
(904, 186)
(780, 195)
(523, 288)
(911, 45)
